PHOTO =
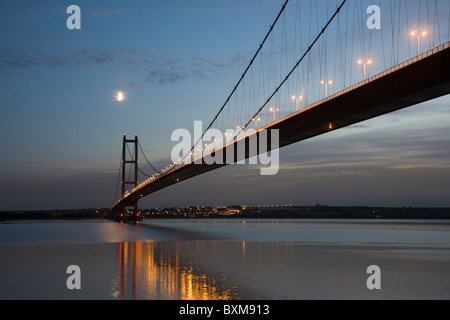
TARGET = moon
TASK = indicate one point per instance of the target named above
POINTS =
(120, 96)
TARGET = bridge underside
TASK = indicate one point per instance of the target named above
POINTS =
(418, 80)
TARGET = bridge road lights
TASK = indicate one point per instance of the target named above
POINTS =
(418, 34)
(326, 83)
(364, 63)
(256, 122)
(274, 112)
(297, 100)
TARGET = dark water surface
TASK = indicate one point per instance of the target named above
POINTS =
(225, 259)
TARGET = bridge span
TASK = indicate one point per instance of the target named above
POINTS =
(417, 80)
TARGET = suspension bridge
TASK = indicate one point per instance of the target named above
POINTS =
(319, 68)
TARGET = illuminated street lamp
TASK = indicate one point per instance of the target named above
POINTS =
(364, 63)
(272, 110)
(256, 122)
(326, 83)
(418, 34)
(297, 99)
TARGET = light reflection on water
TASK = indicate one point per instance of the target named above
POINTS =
(155, 270)
(284, 260)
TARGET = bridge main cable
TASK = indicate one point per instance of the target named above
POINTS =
(242, 77)
(143, 153)
(295, 67)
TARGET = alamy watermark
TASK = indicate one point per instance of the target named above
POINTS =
(74, 280)
(374, 280)
(74, 20)
(374, 21)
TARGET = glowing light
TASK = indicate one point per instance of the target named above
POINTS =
(418, 34)
(120, 96)
(423, 34)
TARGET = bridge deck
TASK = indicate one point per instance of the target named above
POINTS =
(417, 80)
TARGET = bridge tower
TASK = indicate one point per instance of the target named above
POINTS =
(132, 162)
(130, 212)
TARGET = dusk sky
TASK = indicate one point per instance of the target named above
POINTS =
(176, 62)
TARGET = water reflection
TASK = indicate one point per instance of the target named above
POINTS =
(155, 270)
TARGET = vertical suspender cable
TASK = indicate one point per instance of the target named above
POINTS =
(297, 64)
(243, 75)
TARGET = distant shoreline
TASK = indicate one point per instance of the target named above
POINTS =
(245, 212)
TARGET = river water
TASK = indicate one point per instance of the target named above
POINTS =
(225, 259)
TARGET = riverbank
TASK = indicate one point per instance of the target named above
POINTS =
(246, 212)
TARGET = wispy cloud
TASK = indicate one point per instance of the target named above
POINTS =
(181, 6)
(166, 71)
(17, 60)
(133, 84)
(154, 69)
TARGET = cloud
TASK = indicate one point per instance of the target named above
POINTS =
(14, 61)
(357, 126)
(133, 84)
(158, 70)
(166, 71)
(184, 7)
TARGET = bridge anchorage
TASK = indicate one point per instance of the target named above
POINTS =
(128, 210)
